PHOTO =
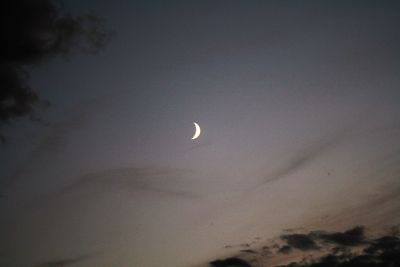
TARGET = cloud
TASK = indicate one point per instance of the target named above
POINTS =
(63, 262)
(349, 238)
(163, 182)
(230, 262)
(300, 241)
(304, 157)
(384, 251)
(352, 237)
(350, 248)
(32, 32)
(249, 251)
(56, 138)
(285, 249)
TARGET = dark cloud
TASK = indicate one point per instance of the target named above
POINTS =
(230, 262)
(31, 32)
(352, 237)
(310, 241)
(300, 241)
(386, 243)
(350, 248)
(285, 249)
(381, 252)
(63, 262)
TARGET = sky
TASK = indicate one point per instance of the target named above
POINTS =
(299, 107)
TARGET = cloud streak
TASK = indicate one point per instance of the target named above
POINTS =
(63, 262)
(304, 157)
(159, 181)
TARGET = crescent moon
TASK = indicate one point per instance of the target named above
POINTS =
(197, 132)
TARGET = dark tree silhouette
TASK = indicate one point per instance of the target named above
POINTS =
(32, 32)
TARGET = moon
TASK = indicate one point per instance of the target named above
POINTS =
(197, 131)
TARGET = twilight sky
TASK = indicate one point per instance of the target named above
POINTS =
(299, 106)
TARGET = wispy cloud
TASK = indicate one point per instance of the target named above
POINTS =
(160, 181)
(305, 156)
(63, 262)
